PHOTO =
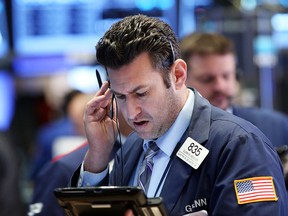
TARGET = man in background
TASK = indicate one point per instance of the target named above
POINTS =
(57, 172)
(68, 125)
(211, 64)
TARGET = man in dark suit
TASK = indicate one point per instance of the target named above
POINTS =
(211, 64)
(202, 158)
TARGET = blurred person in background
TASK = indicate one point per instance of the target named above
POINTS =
(52, 138)
(57, 173)
(11, 202)
(211, 63)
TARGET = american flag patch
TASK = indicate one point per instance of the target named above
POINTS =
(255, 189)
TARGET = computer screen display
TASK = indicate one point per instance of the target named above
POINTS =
(49, 27)
(51, 35)
(7, 97)
(4, 38)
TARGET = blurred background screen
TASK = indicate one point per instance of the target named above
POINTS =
(54, 34)
(4, 38)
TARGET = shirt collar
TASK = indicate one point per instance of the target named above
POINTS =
(169, 140)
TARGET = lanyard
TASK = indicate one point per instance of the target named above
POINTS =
(161, 182)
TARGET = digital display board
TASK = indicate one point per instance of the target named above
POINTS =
(4, 37)
(51, 35)
(49, 27)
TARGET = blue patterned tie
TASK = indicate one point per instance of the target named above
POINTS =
(147, 166)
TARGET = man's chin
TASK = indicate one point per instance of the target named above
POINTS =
(146, 135)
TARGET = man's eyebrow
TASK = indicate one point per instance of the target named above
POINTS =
(131, 92)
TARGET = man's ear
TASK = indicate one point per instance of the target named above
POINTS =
(179, 73)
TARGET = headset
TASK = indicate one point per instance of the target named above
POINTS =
(111, 114)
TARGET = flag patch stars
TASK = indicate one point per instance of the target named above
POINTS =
(256, 189)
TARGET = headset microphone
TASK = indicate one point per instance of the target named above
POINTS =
(99, 78)
(111, 113)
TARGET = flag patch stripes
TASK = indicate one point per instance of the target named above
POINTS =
(256, 189)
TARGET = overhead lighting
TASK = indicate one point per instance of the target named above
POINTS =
(279, 22)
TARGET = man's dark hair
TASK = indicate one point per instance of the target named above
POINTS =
(68, 97)
(134, 35)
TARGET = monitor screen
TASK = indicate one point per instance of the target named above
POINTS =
(49, 27)
(53, 27)
(4, 39)
(66, 32)
(7, 97)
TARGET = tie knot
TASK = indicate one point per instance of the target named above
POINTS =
(152, 146)
(151, 150)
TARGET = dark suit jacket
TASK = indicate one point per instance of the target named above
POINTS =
(238, 150)
(55, 174)
(273, 124)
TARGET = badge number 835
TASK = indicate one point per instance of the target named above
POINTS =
(194, 149)
(192, 152)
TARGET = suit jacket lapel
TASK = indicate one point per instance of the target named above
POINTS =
(180, 171)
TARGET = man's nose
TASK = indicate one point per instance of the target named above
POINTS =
(220, 84)
(133, 109)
